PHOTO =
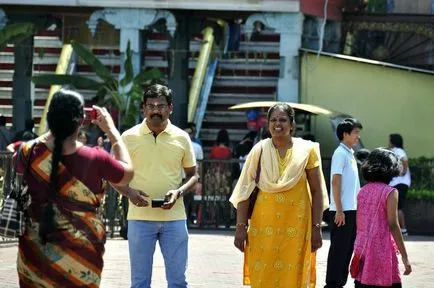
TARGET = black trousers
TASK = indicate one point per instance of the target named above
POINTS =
(341, 249)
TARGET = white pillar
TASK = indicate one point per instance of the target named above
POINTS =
(130, 22)
(3, 19)
(290, 26)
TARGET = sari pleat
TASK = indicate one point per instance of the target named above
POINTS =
(73, 255)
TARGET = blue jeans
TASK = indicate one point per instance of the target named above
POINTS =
(173, 240)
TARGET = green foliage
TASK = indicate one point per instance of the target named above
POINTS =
(377, 6)
(422, 179)
(125, 95)
(15, 33)
(79, 82)
(422, 173)
(425, 195)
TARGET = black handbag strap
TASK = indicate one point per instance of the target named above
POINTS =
(27, 161)
(258, 169)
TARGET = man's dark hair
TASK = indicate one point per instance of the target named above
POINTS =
(381, 166)
(361, 155)
(27, 136)
(396, 140)
(346, 126)
(29, 124)
(223, 137)
(2, 120)
(251, 135)
(309, 137)
(191, 125)
(156, 91)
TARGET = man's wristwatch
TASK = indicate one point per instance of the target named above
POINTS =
(180, 193)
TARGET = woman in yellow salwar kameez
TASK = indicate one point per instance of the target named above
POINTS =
(284, 229)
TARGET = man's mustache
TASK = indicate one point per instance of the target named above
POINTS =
(156, 115)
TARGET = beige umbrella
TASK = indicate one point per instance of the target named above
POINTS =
(297, 106)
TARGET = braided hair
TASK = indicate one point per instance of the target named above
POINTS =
(64, 116)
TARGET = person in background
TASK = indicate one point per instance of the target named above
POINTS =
(197, 147)
(29, 125)
(82, 137)
(100, 142)
(379, 237)
(401, 182)
(285, 226)
(221, 150)
(361, 155)
(345, 185)
(309, 137)
(160, 151)
(63, 245)
(27, 136)
(193, 208)
(244, 146)
(5, 135)
(192, 126)
(241, 151)
(234, 37)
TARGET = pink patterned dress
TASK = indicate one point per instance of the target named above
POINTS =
(380, 266)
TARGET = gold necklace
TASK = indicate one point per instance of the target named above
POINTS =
(284, 160)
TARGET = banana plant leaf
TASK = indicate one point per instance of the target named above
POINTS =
(128, 68)
(131, 115)
(99, 68)
(147, 76)
(100, 95)
(118, 100)
(136, 93)
(16, 32)
(78, 81)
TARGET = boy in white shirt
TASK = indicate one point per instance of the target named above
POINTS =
(345, 185)
(402, 182)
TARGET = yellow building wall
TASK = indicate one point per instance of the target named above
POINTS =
(386, 100)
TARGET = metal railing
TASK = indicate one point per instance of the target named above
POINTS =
(5, 183)
(207, 205)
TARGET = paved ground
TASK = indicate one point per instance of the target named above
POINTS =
(214, 263)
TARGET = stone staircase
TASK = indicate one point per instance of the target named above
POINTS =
(47, 45)
(250, 75)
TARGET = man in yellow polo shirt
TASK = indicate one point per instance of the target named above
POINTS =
(159, 152)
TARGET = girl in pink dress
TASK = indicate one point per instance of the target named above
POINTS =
(379, 238)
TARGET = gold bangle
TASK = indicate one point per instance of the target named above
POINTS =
(316, 225)
(114, 144)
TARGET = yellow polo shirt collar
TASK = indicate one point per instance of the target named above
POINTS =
(144, 129)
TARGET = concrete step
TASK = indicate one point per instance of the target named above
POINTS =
(234, 98)
(243, 64)
(225, 116)
(5, 92)
(6, 110)
(42, 94)
(210, 134)
(245, 46)
(245, 81)
(6, 75)
(47, 42)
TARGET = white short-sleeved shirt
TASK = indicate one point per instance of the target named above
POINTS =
(198, 151)
(344, 164)
(406, 178)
